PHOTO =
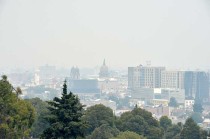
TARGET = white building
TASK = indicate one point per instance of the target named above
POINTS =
(172, 79)
(144, 77)
(189, 103)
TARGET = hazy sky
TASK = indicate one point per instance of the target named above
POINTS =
(174, 33)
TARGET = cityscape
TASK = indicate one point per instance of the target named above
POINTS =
(113, 69)
(149, 87)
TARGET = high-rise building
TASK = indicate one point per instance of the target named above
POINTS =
(202, 87)
(144, 77)
(196, 84)
(172, 79)
(133, 77)
(190, 84)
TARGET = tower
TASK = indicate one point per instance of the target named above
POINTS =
(104, 71)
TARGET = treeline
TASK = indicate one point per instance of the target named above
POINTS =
(66, 118)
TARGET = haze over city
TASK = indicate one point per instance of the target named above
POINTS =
(112, 69)
(127, 33)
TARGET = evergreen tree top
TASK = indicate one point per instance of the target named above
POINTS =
(65, 87)
(65, 117)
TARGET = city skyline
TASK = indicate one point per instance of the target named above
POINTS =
(96, 68)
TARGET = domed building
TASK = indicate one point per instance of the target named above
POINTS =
(104, 71)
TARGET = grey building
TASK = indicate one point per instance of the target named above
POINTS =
(196, 84)
(84, 86)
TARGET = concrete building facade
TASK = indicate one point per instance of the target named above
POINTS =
(196, 85)
(172, 79)
(144, 77)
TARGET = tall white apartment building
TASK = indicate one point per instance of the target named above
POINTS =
(144, 77)
(133, 77)
(172, 79)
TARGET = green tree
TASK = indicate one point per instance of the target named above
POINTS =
(65, 117)
(97, 115)
(165, 122)
(173, 132)
(190, 130)
(121, 102)
(197, 107)
(146, 115)
(203, 134)
(134, 123)
(173, 102)
(141, 122)
(18, 91)
(104, 132)
(197, 117)
(16, 115)
(128, 135)
(40, 123)
(154, 133)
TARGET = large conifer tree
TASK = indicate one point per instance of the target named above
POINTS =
(65, 118)
(191, 130)
(197, 107)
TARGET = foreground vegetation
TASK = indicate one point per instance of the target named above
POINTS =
(16, 115)
(66, 118)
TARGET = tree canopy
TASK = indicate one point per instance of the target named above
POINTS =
(190, 130)
(165, 122)
(104, 132)
(141, 122)
(16, 115)
(97, 115)
(197, 117)
(65, 117)
(197, 107)
(40, 123)
(173, 132)
(128, 135)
